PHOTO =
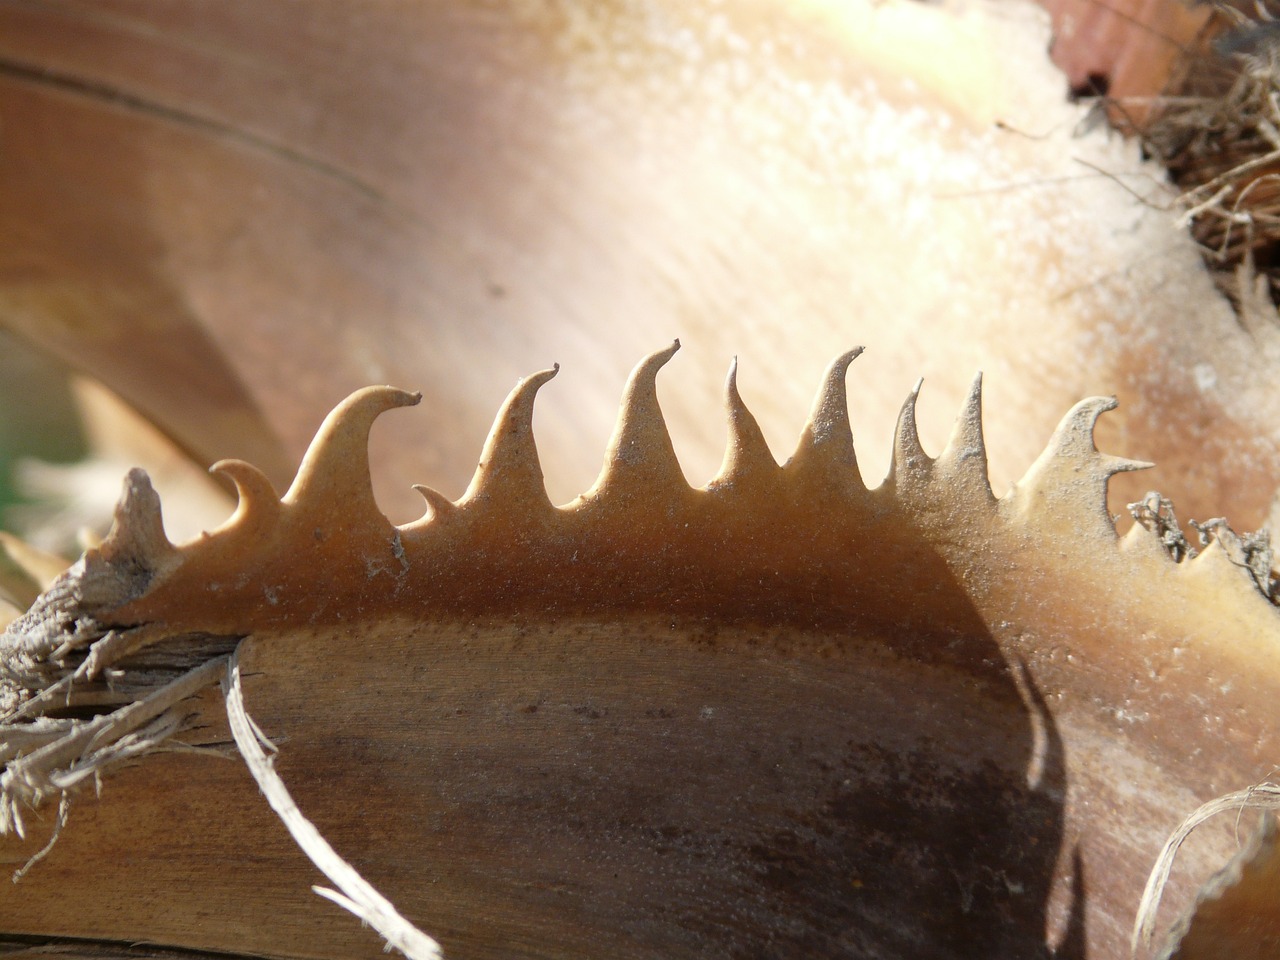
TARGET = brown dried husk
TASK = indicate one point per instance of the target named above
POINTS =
(782, 712)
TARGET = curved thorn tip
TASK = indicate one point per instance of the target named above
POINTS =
(732, 397)
(335, 468)
(251, 483)
(831, 403)
(909, 457)
(1074, 434)
(258, 501)
(640, 396)
(828, 425)
(746, 449)
(438, 505)
(509, 470)
(641, 445)
(966, 448)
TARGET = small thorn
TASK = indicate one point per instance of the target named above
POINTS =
(1113, 465)
(509, 473)
(259, 504)
(747, 452)
(640, 452)
(966, 450)
(909, 458)
(335, 470)
(827, 438)
(438, 505)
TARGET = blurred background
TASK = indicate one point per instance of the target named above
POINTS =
(218, 219)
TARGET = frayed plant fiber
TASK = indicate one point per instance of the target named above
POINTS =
(354, 893)
(73, 751)
(1262, 796)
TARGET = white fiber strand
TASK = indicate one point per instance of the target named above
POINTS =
(1265, 796)
(356, 894)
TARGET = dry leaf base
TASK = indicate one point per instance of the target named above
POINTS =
(782, 715)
